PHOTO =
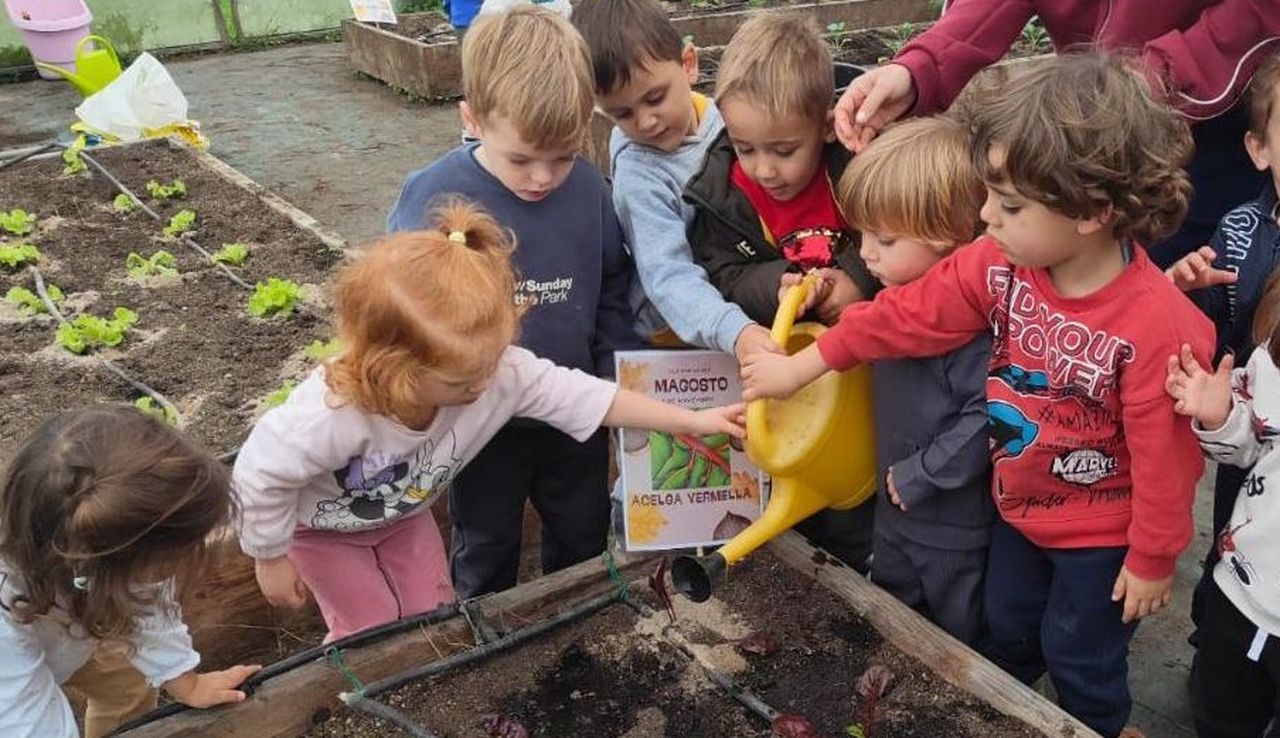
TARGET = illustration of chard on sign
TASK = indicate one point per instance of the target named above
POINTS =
(688, 462)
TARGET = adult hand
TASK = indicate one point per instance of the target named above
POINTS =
(873, 101)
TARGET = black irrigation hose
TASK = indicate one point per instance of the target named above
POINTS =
(508, 641)
(105, 363)
(744, 696)
(388, 713)
(184, 238)
(301, 658)
(39, 149)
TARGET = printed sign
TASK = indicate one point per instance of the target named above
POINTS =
(373, 11)
(682, 491)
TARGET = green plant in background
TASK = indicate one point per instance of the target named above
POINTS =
(123, 203)
(29, 302)
(683, 461)
(159, 263)
(936, 7)
(182, 221)
(838, 34)
(158, 191)
(148, 406)
(901, 35)
(14, 255)
(321, 350)
(234, 254)
(1034, 37)
(72, 161)
(90, 331)
(274, 297)
(17, 221)
(278, 396)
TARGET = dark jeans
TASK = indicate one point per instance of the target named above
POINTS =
(1234, 696)
(845, 534)
(566, 482)
(1051, 609)
(1222, 177)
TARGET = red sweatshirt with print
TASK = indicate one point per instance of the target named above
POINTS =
(1086, 448)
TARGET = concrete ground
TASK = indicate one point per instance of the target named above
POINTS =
(299, 121)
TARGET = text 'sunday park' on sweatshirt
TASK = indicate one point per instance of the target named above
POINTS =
(1086, 447)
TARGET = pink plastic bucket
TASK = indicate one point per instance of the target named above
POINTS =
(51, 29)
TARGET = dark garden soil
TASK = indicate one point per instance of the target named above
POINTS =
(194, 340)
(614, 676)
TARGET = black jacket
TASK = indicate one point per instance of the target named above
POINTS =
(729, 242)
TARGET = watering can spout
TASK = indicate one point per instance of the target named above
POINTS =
(817, 445)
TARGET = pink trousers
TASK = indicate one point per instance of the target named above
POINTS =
(372, 577)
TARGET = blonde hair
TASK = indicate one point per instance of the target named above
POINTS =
(1082, 133)
(917, 180)
(530, 66)
(437, 303)
(778, 62)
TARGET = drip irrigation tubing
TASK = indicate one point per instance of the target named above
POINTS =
(388, 713)
(515, 638)
(105, 363)
(744, 696)
(355, 640)
(184, 238)
(37, 149)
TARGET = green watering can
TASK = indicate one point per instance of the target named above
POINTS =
(95, 68)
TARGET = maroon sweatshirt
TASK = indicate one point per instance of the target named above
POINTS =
(1205, 50)
(1086, 448)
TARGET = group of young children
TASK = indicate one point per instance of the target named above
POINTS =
(1043, 392)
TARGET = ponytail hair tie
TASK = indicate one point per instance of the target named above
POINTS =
(458, 237)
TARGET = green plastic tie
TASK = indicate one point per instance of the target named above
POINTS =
(334, 654)
(624, 592)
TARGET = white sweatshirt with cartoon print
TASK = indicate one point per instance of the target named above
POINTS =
(1249, 570)
(318, 462)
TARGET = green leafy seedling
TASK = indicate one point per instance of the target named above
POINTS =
(29, 302)
(176, 188)
(14, 255)
(88, 332)
(159, 263)
(74, 164)
(277, 397)
(274, 297)
(123, 203)
(322, 350)
(148, 406)
(235, 254)
(182, 221)
(18, 222)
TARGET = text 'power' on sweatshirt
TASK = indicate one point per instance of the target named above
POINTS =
(575, 274)
(1086, 448)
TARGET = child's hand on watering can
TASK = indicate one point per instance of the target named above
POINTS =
(729, 419)
(839, 292)
(821, 290)
(777, 376)
(752, 339)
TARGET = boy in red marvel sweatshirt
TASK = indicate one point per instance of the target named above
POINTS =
(1094, 474)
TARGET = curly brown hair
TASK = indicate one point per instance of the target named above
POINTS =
(1081, 134)
(100, 504)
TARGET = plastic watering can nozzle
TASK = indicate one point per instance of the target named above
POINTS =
(695, 576)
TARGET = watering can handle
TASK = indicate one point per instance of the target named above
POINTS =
(102, 43)
(788, 310)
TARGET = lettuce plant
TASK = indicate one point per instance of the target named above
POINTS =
(29, 302)
(18, 221)
(88, 332)
(140, 267)
(14, 255)
(274, 297)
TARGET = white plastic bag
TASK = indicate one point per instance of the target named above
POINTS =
(143, 101)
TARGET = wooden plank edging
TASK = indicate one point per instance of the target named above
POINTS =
(909, 632)
(285, 706)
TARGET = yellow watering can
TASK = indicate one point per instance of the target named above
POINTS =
(95, 68)
(818, 445)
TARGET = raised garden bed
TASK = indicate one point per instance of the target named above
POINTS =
(193, 341)
(790, 633)
(421, 58)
